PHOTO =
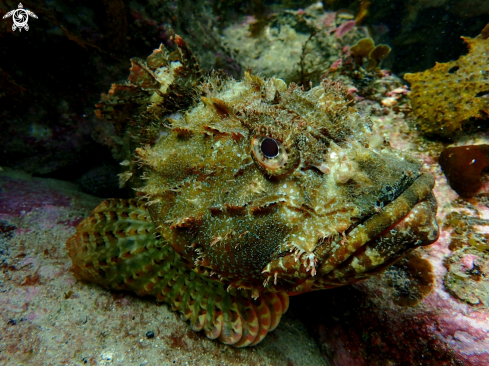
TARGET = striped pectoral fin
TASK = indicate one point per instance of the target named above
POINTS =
(116, 248)
(234, 317)
(251, 325)
(232, 329)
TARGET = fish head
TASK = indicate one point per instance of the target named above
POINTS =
(261, 185)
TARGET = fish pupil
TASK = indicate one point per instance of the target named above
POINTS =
(269, 148)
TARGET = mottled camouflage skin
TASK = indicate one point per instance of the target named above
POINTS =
(329, 204)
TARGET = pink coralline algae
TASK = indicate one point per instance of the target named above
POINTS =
(31, 197)
(345, 28)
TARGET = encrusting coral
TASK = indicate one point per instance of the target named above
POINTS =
(249, 191)
(453, 93)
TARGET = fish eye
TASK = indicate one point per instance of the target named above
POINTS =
(269, 148)
(270, 154)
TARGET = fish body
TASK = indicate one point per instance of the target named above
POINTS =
(248, 192)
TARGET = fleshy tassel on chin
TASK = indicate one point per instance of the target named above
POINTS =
(117, 248)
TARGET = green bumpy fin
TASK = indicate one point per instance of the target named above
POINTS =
(118, 248)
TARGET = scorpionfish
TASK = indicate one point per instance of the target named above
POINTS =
(247, 192)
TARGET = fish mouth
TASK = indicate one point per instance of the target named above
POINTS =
(407, 222)
(371, 246)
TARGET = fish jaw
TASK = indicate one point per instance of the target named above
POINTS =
(365, 249)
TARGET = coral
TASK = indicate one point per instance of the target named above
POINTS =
(464, 166)
(467, 276)
(450, 94)
(468, 224)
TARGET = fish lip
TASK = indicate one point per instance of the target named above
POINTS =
(374, 226)
(400, 233)
(292, 273)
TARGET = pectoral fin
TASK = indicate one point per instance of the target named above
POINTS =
(118, 247)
